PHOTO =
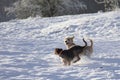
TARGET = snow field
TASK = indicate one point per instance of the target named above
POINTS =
(27, 46)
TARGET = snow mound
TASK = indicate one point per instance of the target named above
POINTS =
(27, 47)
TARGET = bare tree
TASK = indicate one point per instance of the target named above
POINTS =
(48, 7)
(109, 4)
(71, 7)
(3, 13)
(26, 8)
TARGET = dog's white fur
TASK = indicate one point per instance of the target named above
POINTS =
(69, 42)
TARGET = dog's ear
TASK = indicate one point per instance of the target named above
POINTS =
(57, 51)
(72, 37)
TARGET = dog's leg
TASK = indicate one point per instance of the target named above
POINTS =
(69, 62)
(65, 62)
(78, 58)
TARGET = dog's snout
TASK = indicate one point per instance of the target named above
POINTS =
(65, 41)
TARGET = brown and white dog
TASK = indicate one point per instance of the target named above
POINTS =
(69, 42)
(71, 53)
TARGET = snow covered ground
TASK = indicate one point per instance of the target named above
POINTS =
(26, 47)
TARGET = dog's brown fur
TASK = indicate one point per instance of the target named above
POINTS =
(69, 54)
(69, 42)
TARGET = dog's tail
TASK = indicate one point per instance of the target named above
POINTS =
(85, 42)
(91, 42)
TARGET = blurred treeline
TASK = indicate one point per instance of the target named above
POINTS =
(12, 9)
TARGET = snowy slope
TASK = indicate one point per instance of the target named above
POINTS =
(26, 47)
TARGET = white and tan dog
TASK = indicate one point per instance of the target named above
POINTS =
(69, 42)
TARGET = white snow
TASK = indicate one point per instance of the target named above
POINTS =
(27, 46)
